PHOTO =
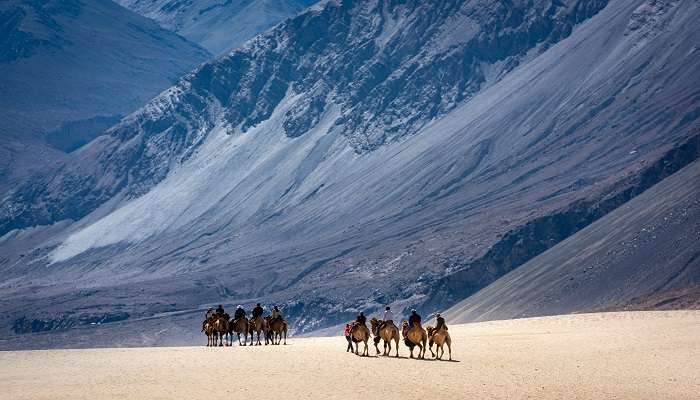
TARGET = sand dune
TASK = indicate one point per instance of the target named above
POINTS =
(634, 355)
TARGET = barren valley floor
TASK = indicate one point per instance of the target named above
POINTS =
(630, 355)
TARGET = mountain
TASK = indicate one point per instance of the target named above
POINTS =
(217, 25)
(71, 69)
(645, 250)
(362, 153)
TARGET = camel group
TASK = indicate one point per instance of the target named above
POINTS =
(388, 333)
(219, 330)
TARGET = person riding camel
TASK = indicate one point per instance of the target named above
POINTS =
(414, 319)
(388, 318)
(257, 311)
(440, 323)
(220, 310)
(208, 316)
(276, 314)
(361, 319)
(240, 313)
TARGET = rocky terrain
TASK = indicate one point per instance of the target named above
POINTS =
(643, 255)
(71, 69)
(359, 154)
(217, 25)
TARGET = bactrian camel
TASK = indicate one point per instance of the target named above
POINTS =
(279, 328)
(416, 336)
(208, 330)
(360, 333)
(440, 338)
(255, 325)
(220, 331)
(240, 326)
(387, 333)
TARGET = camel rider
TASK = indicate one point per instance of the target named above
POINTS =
(361, 319)
(388, 318)
(220, 310)
(257, 311)
(240, 313)
(208, 316)
(440, 323)
(414, 319)
(276, 314)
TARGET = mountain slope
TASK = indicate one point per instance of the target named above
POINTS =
(355, 156)
(71, 69)
(217, 25)
(645, 248)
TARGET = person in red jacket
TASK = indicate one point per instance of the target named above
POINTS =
(348, 337)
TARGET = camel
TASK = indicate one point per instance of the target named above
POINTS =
(360, 333)
(278, 327)
(220, 330)
(240, 326)
(255, 325)
(416, 336)
(266, 330)
(440, 338)
(387, 333)
(208, 330)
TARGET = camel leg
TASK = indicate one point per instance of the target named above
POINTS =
(449, 347)
(397, 346)
(285, 337)
(376, 346)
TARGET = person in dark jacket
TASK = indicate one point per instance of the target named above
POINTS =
(440, 323)
(362, 319)
(220, 310)
(414, 319)
(257, 311)
(240, 313)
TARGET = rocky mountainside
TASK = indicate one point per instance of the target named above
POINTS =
(646, 249)
(70, 69)
(362, 153)
(217, 25)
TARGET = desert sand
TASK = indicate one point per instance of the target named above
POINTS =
(630, 355)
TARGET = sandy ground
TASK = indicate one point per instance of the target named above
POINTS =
(633, 355)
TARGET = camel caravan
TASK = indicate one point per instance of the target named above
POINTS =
(384, 330)
(220, 328)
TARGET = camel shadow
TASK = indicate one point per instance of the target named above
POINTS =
(428, 359)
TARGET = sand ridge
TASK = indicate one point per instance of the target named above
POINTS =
(631, 355)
